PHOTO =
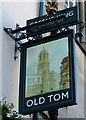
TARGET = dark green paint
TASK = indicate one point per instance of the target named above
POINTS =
(68, 21)
(23, 109)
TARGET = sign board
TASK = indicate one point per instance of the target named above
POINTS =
(66, 17)
(47, 73)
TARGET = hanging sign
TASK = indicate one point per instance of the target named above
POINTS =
(47, 73)
(63, 18)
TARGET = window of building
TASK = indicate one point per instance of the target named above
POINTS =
(69, 3)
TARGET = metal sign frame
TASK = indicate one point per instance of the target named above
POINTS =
(40, 25)
(68, 93)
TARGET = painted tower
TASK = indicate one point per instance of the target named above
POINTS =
(44, 69)
(43, 63)
(45, 80)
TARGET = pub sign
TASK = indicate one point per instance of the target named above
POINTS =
(47, 73)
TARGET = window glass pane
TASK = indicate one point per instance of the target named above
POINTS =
(71, 3)
(66, 3)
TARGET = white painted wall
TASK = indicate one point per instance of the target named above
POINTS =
(12, 13)
(19, 12)
(1, 52)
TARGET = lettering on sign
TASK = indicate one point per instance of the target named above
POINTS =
(50, 98)
(68, 14)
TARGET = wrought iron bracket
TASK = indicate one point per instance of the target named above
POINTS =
(17, 35)
(17, 44)
(81, 25)
(21, 35)
(80, 36)
(15, 38)
(80, 43)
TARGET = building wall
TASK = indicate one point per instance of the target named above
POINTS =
(1, 52)
(19, 12)
(84, 86)
(12, 13)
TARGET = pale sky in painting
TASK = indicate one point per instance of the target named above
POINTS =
(57, 50)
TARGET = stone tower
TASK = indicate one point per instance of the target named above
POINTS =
(44, 69)
(43, 62)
